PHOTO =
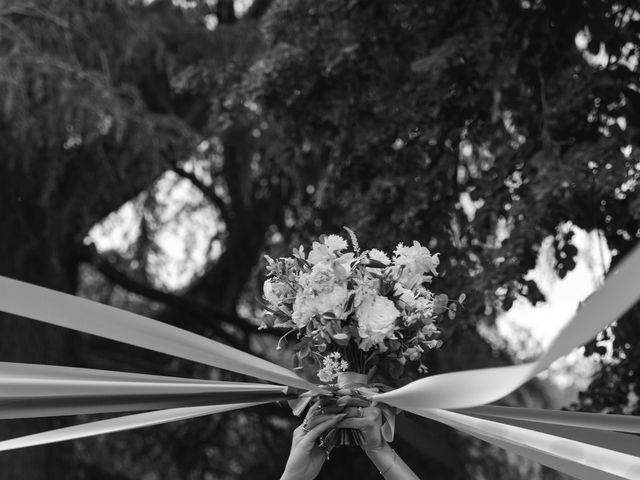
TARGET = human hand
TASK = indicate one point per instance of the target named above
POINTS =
(306, 457)
(366, 419)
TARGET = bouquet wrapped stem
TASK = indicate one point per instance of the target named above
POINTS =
(350, 381)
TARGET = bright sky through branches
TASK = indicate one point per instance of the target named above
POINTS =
(563, 296)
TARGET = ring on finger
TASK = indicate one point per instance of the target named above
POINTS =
(360, 412)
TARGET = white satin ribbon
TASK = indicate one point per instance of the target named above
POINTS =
(575, 458)
(117, 424)
(38, 303)
(599, 421)
(28, 391)
(58, 372)
(620, 442)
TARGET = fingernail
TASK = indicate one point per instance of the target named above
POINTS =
(342, 415)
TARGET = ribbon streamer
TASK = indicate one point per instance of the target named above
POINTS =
(35, 370)
(39, 303)
(573, 457)
(620, 442)
(28, 391)
(117, 424)
(600, 421)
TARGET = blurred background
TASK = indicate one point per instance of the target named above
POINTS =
(152, 151)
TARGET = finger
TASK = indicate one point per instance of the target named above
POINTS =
(313, 410)
(355, 423)
(319, 429)
(320, 410)
(324, 401)
(355, 412)
(317, 420)
(329, 409)
(311, 422)
(349, 401)
(370, 420)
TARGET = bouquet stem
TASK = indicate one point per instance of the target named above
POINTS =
(350, 380)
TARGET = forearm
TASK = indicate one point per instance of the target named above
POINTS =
(389, 464)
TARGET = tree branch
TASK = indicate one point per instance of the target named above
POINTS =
(257, 9)
(200, 317)
(208, 191)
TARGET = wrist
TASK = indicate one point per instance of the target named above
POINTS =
(382, 449)
(384, 458)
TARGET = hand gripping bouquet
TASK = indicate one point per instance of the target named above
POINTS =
(360, 318)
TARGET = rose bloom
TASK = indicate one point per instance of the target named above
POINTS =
(376, 321)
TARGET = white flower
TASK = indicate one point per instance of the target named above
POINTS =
(379, 256)
(309, 304)
(424, 306)
(433, 343)
(376, 321)
(406, 298)
(430, 329)
(413, 353)
(320, 254)
(322, 278)
(332, 365)
(411, 263)
(335, 243)
(275, 292)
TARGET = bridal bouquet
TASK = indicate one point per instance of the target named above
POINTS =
(357, 315)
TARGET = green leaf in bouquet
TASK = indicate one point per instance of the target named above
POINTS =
(462, 298)
(396, 369)
(352, 330)
(305, 351)
(296, 361)
(440, 303)
(303, 264)
(282, 322)
(375, 264)
(350, 301)
(394, 345)
(341, 339)
(373, 361)
(326, 336)
(386, 287)
(304, 347)
(340, 272)
(330, 328)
